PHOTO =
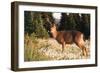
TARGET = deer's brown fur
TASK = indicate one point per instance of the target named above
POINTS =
(69, 37)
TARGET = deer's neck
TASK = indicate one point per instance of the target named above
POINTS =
(54, 34)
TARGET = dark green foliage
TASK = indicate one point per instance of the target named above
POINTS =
(78, 19)
(71, 22)
(38, 23)
(86, 25)
(68, 22)
(34, 23)
(28, 22)
(63, 22)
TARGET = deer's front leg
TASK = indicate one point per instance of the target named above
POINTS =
(63, 46)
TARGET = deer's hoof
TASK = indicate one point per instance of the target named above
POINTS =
(85, 54)
(62, 50)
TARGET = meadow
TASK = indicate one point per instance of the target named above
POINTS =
(42, 49)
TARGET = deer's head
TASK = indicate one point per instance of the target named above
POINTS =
(53, 30)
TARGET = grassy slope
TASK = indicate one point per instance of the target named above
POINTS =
(50, 49)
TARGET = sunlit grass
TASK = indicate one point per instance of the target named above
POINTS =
(36, 49)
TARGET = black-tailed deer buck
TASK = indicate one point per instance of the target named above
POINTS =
(68, 37)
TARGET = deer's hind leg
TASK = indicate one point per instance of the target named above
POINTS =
(84, 49)
(82, 46)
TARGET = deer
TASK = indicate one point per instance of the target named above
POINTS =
(68, 37)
